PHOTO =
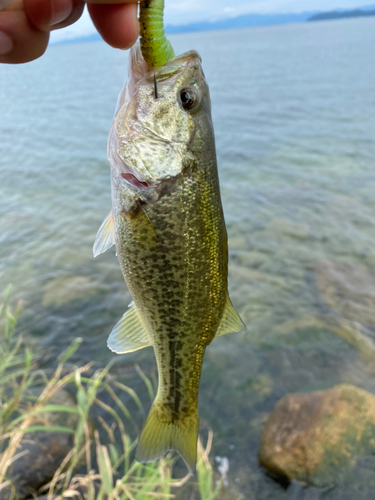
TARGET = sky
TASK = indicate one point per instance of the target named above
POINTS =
(185, 12)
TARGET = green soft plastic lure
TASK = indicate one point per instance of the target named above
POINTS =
(156, 49)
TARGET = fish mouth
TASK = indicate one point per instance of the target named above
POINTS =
(131, 179)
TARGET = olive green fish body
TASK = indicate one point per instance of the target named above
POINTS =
(171, 241)
(174, 260)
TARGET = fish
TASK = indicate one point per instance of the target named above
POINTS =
(168, 227)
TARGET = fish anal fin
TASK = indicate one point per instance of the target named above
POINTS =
(129, 334)
(105, 237)
(158, 437)
(231, 321)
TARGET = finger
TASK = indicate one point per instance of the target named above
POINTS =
(4, 3)
(54, 14)
(20, 41)
(117, 24)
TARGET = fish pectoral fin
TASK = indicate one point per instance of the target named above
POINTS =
(105, 237)
(231, 321)
(129, 334)
(159, 436)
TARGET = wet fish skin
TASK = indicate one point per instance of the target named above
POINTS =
(171, 242)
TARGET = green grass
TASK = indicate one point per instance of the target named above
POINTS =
(99, 465)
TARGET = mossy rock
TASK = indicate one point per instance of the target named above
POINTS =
(316, 437)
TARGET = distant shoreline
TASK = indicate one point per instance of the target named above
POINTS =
(328, 16)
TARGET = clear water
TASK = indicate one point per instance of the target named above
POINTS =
(294, 115)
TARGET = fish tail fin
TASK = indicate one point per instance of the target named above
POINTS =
(159, 436)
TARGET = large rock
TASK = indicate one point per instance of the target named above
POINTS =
(45, 452)
(314, 437)
(348, 289)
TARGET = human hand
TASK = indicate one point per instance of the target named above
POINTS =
(25, 24)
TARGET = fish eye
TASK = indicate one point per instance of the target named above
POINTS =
(188, 98)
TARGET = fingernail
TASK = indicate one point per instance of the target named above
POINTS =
(6, 44)
(61, 10)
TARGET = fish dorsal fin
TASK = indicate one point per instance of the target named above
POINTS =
(231, 321)
(129, 334)
(105, 237)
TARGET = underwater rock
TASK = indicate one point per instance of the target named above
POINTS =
(351, 331)
(44, 452)
(66, 289)
(315, 437)
(348, 289)
(258, 388)
(252, 259)
(245, 274)
(237, 242)
(359, 337)
(288, 228)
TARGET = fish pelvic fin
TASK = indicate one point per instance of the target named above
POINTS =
(231, 321)
(129, 334)
(160, 435)
(105, 237)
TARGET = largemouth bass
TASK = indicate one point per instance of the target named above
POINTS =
(168, 227)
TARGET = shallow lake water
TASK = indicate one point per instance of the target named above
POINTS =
(294, 115)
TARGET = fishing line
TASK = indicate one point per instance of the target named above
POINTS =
(155, 87)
